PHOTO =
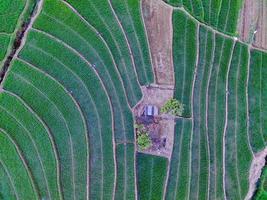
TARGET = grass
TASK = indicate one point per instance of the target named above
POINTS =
(151, 176)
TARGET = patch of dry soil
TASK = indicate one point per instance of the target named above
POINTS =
(261, 35)
(257, 164)
(253, 23)
(164, 127)
(158, 21)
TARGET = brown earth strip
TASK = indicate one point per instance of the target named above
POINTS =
(261, 35)
(158, 21)
(253, 23)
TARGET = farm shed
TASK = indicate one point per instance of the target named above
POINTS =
(151, 110)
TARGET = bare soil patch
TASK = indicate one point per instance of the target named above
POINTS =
(257, 165)
(158, 21)
(261, 35)
(160, 128)
(253, 23)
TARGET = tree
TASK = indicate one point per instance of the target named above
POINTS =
(143, 139)
(174, 107)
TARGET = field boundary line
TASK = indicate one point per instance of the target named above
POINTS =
(89, 65)
(207, 103)
(200, 103)
(192, 105)
(215, 30)
(204, 120)
(127, 42)
(226, 116)
(247, 104)
(119, 50)
(10, 179)
(216, 68)
(192, 109)
(64, 120)
(227, 16)
(48, 133)
(68, 93)
(127, 39)
(106, 45)
(44, 172)
(78, 54)
(236, 121)
(29, 173)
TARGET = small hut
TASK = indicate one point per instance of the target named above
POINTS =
(151, 110)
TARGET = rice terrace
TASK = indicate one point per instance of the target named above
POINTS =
(133, 100)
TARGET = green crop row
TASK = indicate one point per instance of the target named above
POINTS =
(184, 58)
(257, 97)
(179, 173)
(200, 142)
(125, 185)
(61, 114)
(12, 15)
(33, 139)
(67, 48)
(15, 170)
(219, 126)
(151, 176)
(129, 14)
(89, 48)
(100, 16)
(237, 152)
(223, 15)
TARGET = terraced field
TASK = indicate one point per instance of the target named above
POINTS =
(66, 122)
(223, 15)
(151, 173)
(226, 109)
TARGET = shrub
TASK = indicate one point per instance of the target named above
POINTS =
(173, 106)
(143, 139)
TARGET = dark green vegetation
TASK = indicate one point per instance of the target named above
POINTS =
(66, 126)
(221, 14)
(174, 107)
(151, 175)
(261, 193)
(179, 172)
(143, 139)
(13, 13)
(212, 159)
(67, 99)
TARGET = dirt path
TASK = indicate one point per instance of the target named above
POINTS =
(257, 164)
(158, 21)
